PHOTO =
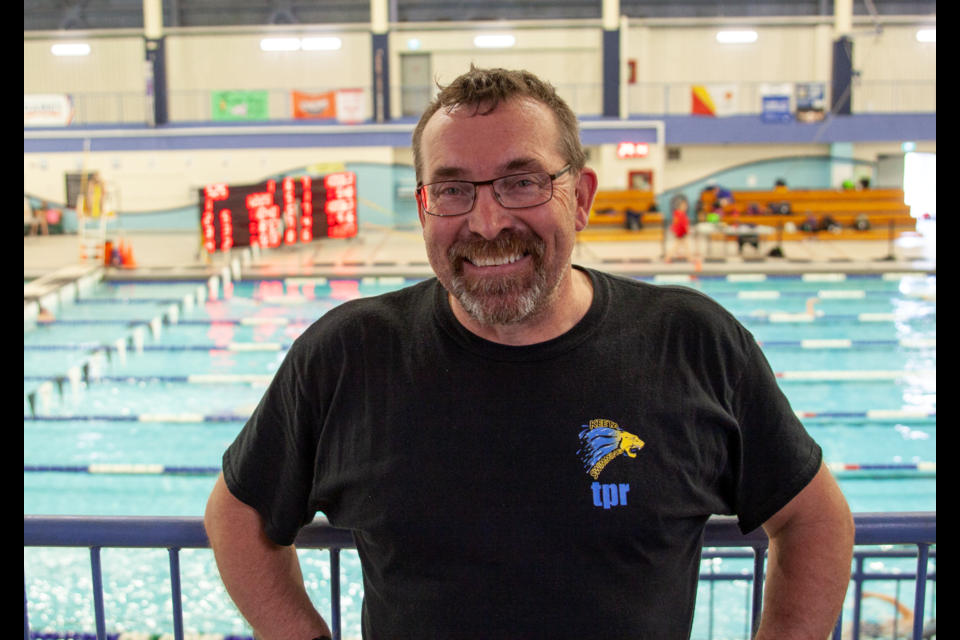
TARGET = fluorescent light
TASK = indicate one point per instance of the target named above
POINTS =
(927, 35)
(413, 44)
(76, 49)
(321, 44)
(493, 42)
(280, 44)
(736, 37)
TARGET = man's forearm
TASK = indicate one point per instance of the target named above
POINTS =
(262, 577)
(808, 570)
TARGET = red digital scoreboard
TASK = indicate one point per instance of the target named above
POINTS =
(272, 213)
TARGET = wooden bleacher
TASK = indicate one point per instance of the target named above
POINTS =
(880, 206)
(610, 208)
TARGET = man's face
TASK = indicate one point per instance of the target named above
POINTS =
(504, 266)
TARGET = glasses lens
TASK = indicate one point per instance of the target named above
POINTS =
(524, 190)
(448, 198)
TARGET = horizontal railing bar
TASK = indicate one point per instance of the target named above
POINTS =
(188, 532)
(743, 554)
(730, 576)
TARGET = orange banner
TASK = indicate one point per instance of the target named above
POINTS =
(314, 105)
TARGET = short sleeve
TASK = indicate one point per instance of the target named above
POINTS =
(778, 458)
(271, 464)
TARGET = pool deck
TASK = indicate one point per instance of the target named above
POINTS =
(389, 252)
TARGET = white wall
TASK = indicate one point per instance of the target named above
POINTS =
(895, 58)
(114, 64)
(566, 54)
(154, 180)
(569, 58)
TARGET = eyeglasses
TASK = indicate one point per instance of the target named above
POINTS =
(518, 191)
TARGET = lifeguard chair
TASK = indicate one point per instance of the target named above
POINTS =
(95, 206)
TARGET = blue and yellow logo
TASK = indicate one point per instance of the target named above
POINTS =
(604, 440)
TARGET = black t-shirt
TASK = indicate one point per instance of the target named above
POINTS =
(556, 490)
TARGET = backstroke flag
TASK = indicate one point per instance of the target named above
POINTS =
(714, 99)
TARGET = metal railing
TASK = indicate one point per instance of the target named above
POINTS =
(650, 98)
(869, 96)
(176, 533)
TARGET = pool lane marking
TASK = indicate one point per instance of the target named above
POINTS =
(756, 317)
(824, 277)
(826, 344)
(810, 343)
(925, 469)
(186, 417)
(853, 375)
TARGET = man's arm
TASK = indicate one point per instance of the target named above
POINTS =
(811, 546)
(262, 577)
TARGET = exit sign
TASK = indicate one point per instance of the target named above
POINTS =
(633, 150)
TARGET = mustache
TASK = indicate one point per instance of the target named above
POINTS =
(507, 243)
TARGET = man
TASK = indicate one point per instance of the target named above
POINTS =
(523, 449)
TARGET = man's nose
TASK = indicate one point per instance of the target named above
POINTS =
(488, 217)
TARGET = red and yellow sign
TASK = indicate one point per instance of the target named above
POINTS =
(314, 105)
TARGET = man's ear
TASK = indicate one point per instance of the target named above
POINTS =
(585, 190)
(423, 217)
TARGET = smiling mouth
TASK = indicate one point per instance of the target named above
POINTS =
(496, 261)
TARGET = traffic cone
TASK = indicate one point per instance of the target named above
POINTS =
(126, 256)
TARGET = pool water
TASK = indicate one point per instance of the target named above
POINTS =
(93, 422)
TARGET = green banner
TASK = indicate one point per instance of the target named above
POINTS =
(239, 105)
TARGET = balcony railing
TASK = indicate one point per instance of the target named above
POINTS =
(176, 533)
(586, 99)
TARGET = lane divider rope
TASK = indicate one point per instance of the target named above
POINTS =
(187, 417)
(114, 468)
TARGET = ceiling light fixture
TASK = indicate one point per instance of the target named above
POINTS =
(280, 44)
(736, 37)
(74, 49)
(326, 43)
(494, 42)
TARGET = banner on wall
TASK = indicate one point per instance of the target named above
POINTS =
(715, 100)
(239, 105)
(350, 106)
(47, 110)
(775, 103)
(313, 105)
(811, 101)
(274, 213)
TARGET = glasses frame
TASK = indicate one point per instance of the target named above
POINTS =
(480, 183)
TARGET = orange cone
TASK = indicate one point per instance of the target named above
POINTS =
(126, 256)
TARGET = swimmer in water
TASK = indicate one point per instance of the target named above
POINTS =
(811, 306)
(45, 315)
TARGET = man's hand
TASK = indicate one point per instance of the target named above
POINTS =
(262, 577)
(808, 570)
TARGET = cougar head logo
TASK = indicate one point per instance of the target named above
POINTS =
(603, 441)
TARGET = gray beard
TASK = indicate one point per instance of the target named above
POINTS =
(502, 302)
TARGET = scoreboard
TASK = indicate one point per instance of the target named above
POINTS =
(270, 214)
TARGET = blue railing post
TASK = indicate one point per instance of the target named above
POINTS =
(838, 629)
(923, 554)
(26, 618)
(97, 575)
(710, 613)
(335, 592)
(177, 600)
(857, 596)
(757, 605)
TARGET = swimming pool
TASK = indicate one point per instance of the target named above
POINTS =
(182, 401)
